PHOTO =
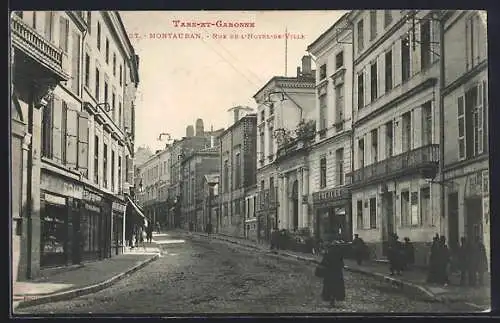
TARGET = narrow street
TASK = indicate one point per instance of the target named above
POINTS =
(211, 277)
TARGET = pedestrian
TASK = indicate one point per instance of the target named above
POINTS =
(358, 247)
(140, 237)
(158, 227)
(479, 262)
(209, 229)
(433, 254)
(443, 261)
(331, 269)
(462, 261)
(149, 233)
(274, 239)
(409, 253)
(395, 255)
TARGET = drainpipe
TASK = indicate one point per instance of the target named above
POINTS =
(441, 122)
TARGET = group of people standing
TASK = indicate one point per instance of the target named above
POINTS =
(141, 233)
(401, 255)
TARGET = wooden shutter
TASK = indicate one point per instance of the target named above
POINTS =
(56, 130)
(461, 128)
(83, 142)
(71, 138)
(480, 119)
(75, 60)
(415, 54)
(397, 63)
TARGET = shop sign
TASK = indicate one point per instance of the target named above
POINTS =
(92, 208)
(56, 184)
(54, 199)
(118, 207)
(475, 184)
(91, 197)
(331, 195)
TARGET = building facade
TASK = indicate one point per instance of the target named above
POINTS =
(465, 179)
(238, 148)
(285, 105)
(77, 169)
(330, 156)
(396, 127)
(210, 197)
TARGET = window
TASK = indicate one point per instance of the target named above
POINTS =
(322, 176)
(339, 156)
(96, 159)
(374, 81)
(425, 210)
(47, 130)
(262, 116)
(97, 84)
(120, 113)
(388, 71)
(322, 112)
(361, 91)
(470, 45)
(471, 122)
(360, 36)
(112, 170)
(387, 17)
(226, 176)
(271, 109)
(415, 217)
(107, 51)
(105, 166)
(389, 139)
(373, 24)
(63, 33)
(405, 59)
(406, 131)
(262, 145)
(405, 208)
(113, 102)
(361, 153)
(106, 90)
(271, 142)
(339, 60)
(427, 123)
(89, 22)
(262, 185)
(237, 171)
(49, 25)
(64, 120)
(114, 64)
(425, 44)
(75, 64)
(322, 71)
(375, 145)
(359, 213)
(98, 35)
(121, 75)
(87, 70)
(373, 213)
(339, 106)
(33, 22)
(83, 143)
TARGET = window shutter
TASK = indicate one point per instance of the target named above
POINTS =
(485, 116)
(355, 93)
(476, 38)
(75, 60)
(397, 63)
(56, 130)
(461, 128)
(368, 82)
(83, 142)
(71, 137)
(415, 54)
(480, 121)
(63, 33)
(381, 74)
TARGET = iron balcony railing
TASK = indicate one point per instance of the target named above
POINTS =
(38, 47)
(409, 162)
(267, 199)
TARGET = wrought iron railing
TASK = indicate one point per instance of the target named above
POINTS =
(267, 198)
(406, 162)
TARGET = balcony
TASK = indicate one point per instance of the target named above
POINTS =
(41, 50)
(423, 160)
(304, 134)
(267, 199)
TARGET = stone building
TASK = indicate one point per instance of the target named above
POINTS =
(71, 188)
(210, 199)
(330, 157)
(395, 127)
(238, 172)
(285, 104)
(465, 182)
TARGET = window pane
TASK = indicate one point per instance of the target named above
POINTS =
(461, 127)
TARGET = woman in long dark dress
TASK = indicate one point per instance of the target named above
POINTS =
(333, 278)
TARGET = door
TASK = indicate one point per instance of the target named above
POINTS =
(295, 202)
(453, 239)
(388, 212)
(474, 219)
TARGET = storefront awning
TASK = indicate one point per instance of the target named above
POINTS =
(137, 209)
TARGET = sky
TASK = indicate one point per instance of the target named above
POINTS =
(181, 80)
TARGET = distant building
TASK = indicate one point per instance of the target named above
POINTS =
(210, 197)
(238, 148)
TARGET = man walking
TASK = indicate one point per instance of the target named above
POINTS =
(358, 246)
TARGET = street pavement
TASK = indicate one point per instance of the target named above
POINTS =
(197, 277)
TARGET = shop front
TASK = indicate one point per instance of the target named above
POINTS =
(91, 225)
(333, 219)
(118, 209)
(59, 221)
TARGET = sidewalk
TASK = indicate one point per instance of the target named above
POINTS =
(413, 281)
(86, 279)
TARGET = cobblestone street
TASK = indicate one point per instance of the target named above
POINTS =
(210, 277)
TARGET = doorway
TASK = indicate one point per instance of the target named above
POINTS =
(388, 212)
(453, 231)
(474, 211)
(295, 202)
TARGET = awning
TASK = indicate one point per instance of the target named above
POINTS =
(137, 209)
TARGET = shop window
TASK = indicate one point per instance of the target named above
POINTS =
(359, 213)
(405, 208)
(53, 235)
(373, 213)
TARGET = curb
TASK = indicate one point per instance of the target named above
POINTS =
(414, 288)
(38, 300)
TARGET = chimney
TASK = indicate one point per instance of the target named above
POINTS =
(212, 141)
(236, 114)
(298, 71)
(189, 131)
(306, 65)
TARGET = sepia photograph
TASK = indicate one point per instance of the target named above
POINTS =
(249, 162)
